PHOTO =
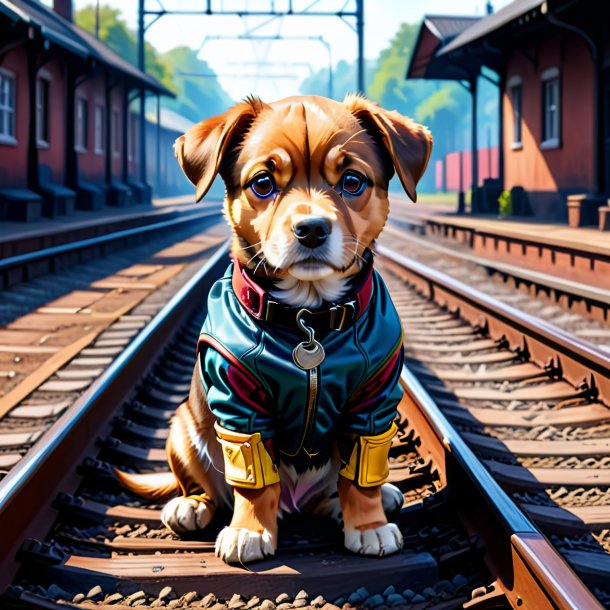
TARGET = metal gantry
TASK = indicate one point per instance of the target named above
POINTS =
(319, 39)
(209, 9)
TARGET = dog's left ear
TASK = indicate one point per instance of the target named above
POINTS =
(408, 143)
(201, 149)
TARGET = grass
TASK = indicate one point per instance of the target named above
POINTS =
(449, 200)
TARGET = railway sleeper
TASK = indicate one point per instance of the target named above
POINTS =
(574, 519)
(90, 510)
(584, 415)
(195, 571)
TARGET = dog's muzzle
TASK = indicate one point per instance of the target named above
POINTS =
(312, 232)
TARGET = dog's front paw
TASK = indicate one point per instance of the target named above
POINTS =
(240, 545)
(186, 515)
(383, 540)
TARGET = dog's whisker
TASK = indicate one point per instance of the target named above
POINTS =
(357, 243)
(253, 245)
(259, 264)
(253, 257)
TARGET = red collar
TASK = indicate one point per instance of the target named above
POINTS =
(259, 304)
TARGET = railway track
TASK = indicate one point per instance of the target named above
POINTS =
(73, 538)
(580, 308)
(60, 331)
(22, 262)
(528, 398)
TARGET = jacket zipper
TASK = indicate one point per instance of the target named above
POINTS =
(312, 398)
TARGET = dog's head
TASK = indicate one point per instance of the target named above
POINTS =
(307, 184)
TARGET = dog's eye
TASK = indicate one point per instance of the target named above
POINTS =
(353, 183)
(263, 185)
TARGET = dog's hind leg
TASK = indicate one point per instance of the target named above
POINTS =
(196, 461)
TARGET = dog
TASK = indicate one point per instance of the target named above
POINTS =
(295, 390)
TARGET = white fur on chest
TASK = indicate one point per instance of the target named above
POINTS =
(300, 293)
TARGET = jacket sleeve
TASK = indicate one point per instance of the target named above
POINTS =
(371, 409)
(235, 396)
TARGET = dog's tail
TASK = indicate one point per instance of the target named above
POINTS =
(152, 486)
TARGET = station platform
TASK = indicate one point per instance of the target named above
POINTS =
(580, 254)
(20, 238)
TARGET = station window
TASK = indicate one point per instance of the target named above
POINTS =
(515, 90)
(7, 107)
(551, 109)
(82, 124)
(100, 125)
(116, 132)
(43, 87)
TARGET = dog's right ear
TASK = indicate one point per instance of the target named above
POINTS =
(408, 143)
(201, 149)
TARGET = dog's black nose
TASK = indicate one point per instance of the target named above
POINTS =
(312, 232)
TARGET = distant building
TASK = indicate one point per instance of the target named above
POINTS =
(552, 60)
(68, 135)
(165, 174)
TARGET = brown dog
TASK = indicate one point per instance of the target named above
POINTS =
(272, 425)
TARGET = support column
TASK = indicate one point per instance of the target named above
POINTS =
(502, 88)
(474, 143)
(33, 178)
(108, 129)
(142, 67)
(125, 138)
(71, 158)
(461, 198)
(141, 152)
(360, 33)
(158, 177)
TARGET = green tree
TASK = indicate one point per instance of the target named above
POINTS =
(197, 93)
(344, 79)
(114, 32)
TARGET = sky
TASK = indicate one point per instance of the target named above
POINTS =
(274, 69)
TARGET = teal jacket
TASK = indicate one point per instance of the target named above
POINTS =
(253, 385)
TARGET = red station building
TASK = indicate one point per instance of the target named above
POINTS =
(68, 135)
(551, 59)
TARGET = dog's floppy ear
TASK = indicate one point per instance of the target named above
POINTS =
(201, 149)
(408, 143)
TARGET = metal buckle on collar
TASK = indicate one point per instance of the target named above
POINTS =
(269, 309)
(341, 312)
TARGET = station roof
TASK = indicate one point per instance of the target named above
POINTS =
(453, 48)
(70, 37)
(490, 23)
(171, 120)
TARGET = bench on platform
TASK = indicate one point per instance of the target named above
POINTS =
(118, 195)
(56, 198)
(20, 204)
(142, 193)
(89, 196)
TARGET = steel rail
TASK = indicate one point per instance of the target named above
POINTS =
(542, 562)
(33, 483)
(583, 364)
(21, 260)
(594, 294)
